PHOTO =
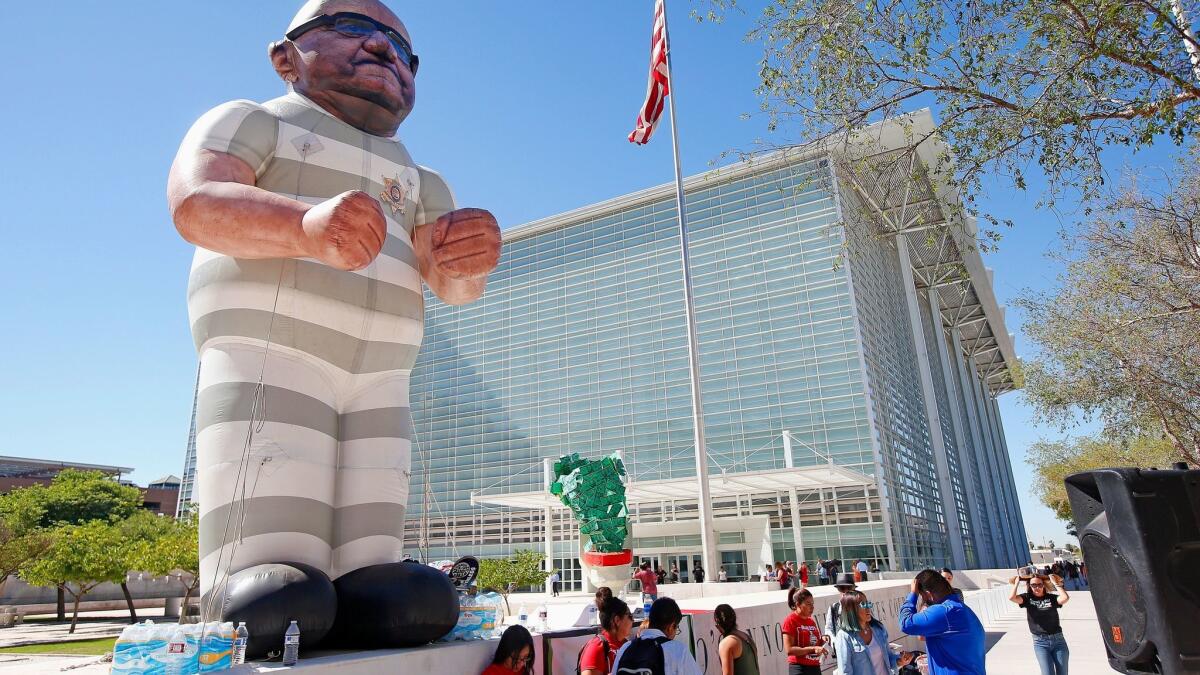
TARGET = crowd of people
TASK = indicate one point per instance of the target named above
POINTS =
(1073, 574)
(859, 644)
(789, 575)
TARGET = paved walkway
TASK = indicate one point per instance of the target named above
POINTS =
(91, 625)
(1011, 644)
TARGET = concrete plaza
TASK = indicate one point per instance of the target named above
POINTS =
(1010, 646)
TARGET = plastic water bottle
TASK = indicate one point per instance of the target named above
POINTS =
(291, 645)
(523, 616)
(543, 615)
(593, 615)
(177, 655)
(646, 603)
(240, 638)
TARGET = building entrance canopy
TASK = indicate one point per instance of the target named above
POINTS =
(722, 485)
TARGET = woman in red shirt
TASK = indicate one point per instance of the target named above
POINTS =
(615, 625)
(803, 574)
(802, 639)
(782, 576)
(514, 654)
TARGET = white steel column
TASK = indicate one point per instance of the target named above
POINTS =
(1003, 533)
(987, 505)
(953, 393)
(1006, 482)
(1023, 535)
(548, 474)
(794, 501)
(949, 504)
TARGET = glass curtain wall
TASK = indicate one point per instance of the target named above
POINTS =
(579, 346)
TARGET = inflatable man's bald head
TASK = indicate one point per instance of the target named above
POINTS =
(354, 58)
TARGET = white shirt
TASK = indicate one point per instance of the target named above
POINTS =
(676, 657)
(879, 657)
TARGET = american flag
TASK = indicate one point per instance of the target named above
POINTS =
(659, 86)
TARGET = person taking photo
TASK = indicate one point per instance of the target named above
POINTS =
(1041, 604)
(649, 581)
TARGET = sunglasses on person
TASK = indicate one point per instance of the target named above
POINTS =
(352, 24)
(1037, 585)
(866, 604)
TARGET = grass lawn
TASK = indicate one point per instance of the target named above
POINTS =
(97, 647)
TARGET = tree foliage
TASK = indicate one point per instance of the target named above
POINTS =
(80, 558)
(1119, 336)
(172, 548)
(18, 548)
(1054, 461)
(1014, 82)
(505, 575)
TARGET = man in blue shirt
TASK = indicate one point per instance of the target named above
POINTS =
(952, 632)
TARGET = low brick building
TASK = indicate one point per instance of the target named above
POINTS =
(161, 496)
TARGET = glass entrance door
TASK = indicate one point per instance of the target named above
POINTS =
(685, 563)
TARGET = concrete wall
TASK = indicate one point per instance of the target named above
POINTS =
(17, 592)
(968, 580)
(759, 613)
(683, 592)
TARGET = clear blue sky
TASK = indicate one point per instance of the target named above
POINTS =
(523, 106)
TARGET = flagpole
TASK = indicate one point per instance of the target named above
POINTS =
(707, 543)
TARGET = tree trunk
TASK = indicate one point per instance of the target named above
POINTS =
(61, 605)
(75, 614)
(129, 601)
(187, 595)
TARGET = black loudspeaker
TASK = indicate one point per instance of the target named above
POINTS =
(1140, 535)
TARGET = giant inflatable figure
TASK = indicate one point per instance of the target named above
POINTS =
(314, 230)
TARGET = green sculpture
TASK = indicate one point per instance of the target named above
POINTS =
(595, 493)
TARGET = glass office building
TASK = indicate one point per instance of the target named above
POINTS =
(811, 325)
(842, 323)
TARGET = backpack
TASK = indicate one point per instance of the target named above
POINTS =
(579, 657)
(643, 657)
(832, 627)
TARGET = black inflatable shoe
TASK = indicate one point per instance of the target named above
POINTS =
(402, 604)
(269, 597)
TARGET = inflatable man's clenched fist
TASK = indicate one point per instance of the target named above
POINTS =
(466, 244)
(315, 231)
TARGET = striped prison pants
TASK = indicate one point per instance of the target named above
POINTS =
(325, 479)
